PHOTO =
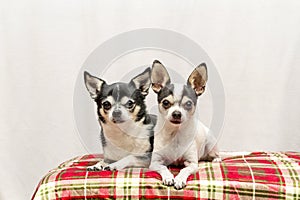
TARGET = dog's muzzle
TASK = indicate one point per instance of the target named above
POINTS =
(117, 116)
(176, 117)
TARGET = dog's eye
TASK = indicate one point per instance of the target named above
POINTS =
(166, 104)
(188, 105)
(106, 105)
(129, 104)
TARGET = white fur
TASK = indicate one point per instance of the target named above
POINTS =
(187, 140)
(127, 142)
(185, 144)
(123, 142)
(176, 107)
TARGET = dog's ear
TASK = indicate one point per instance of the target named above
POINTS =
(159, 76)
(142, 81)
(93, 84)
(198, 78)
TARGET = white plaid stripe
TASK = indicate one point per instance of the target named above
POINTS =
(130, 184)
(290, 171)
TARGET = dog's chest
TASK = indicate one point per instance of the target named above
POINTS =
(123, 141)
(184, 144)
(174, 149)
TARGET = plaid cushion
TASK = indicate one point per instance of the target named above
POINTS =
(260, 175)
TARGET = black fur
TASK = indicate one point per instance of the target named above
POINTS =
(124, 90)
(103, 140)
(119, 90)
(164, 92)
(151, 119)
(169, 90)
(190, 92)
(139, 101)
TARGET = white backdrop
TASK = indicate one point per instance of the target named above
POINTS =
(255, 46)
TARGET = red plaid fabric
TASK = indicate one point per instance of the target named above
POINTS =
(260, 175)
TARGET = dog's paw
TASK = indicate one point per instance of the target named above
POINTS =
(110, 168)
(168, 180)
(98, 167)
(107, 168)
(217, 160)
(94, 168)
(179, 183)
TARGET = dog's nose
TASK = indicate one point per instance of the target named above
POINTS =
(117, 113)
(176, 115)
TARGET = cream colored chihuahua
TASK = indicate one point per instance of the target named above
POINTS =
(180, 138)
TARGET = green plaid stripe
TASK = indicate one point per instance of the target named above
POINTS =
(290, 173)
(260, 175)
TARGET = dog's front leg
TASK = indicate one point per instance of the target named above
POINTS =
(191, 166)
(166, 175)
(181, 178)
(129, 161)
(98, 166)
(159, 166)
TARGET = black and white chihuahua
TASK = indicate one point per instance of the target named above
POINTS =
(126, 128)
(180, 138)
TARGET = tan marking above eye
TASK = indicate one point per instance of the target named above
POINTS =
(110, 99)
(185, 99)
(170, 98)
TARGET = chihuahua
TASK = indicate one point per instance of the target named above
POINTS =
(180, 138)
(126, 128)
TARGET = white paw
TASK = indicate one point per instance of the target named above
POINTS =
(216, 160)
(94, 168)
(98, 167)
(168, 180)
(110, 168)
(179, 183)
